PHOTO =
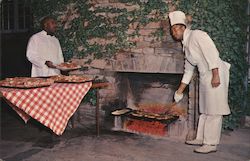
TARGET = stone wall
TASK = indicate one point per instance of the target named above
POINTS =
(149, 55)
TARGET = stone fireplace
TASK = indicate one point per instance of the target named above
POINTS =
(148, 84)
(139, 81)
(152, 93)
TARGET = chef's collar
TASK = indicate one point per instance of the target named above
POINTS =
(186, 35)
(46, 33)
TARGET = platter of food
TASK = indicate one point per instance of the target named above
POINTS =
(138, 113)
(68, 66)
(71, 79)
(153, 116)
(26, 82)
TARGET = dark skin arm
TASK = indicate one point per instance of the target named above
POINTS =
(181, 88)
(215, 82)
(216, 78)
(50, 64)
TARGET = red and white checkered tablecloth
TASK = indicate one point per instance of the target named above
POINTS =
(52, 106)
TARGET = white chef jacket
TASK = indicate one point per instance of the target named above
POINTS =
(41, 48)
(201, 51)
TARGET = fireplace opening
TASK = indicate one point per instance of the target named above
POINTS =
(149, 106)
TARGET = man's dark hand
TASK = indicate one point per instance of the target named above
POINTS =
(50, 64)
(215, 78)
(65, 73)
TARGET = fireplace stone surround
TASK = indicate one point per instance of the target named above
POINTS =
(161, 75)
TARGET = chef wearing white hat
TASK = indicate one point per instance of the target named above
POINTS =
(177, 17)
(201, 52)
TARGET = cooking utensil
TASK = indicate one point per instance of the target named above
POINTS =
(171, 105)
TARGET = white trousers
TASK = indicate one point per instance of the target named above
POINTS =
(209, 129)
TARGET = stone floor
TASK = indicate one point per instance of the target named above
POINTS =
(33, 142)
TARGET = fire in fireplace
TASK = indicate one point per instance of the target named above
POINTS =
(149, 105)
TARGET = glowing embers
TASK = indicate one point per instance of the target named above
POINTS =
(146, 127)
(152, 119)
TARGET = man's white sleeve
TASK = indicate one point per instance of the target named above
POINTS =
(33, 54)
(188, 72)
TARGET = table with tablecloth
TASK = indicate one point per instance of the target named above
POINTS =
(52, 106)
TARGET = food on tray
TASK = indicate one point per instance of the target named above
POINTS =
(164, 117)
(154, 107)
(151, 115)
(120, 112)
(68, 66)
(70, 79)
(26, 82)
(137, 114)
(143, 114)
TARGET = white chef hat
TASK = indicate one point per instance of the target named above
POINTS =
(177, 17)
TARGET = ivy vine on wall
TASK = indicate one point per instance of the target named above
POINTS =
(81, 21)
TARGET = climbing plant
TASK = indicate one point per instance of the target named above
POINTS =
(226, 22)
(81, 21)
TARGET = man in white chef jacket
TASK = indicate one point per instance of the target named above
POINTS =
(44, 50)
(201, 51)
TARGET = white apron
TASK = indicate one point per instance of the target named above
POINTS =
(214, 101)
(200, 51)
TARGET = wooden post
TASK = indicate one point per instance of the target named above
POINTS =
(97, 86)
